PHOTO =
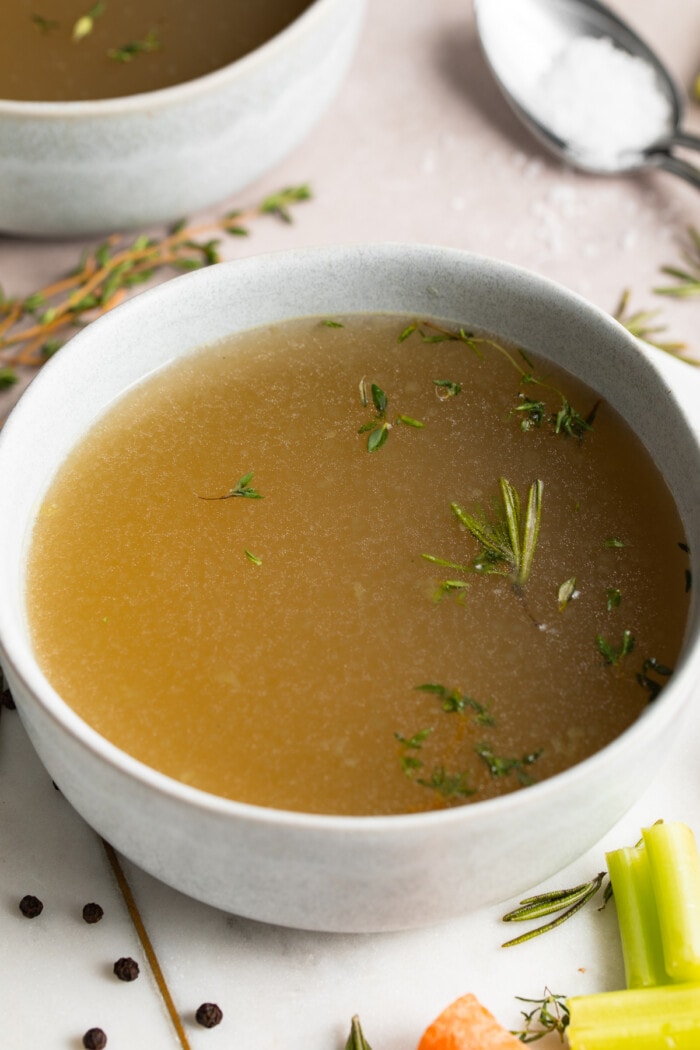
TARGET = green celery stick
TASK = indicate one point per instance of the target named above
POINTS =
(637, 917)
(674, 864)
(662, 1018)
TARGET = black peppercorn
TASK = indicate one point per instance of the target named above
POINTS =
(94, 1039)
(30, 906)
(92, 913)
(209, 1015)
(126, 969)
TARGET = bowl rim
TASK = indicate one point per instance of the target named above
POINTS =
(652, 722)
(183, 90)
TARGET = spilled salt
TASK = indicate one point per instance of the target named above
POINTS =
(605, 104)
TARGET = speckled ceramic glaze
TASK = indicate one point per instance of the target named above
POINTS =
(69, 168)
(333, 873)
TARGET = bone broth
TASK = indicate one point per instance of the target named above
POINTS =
(68, 50)
(359, 566)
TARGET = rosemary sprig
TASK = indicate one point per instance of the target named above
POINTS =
(687, 279)
(550, 1014)
(566, 902)
(508, 541)
(33, 328)
(356, 1040)
(640, 324)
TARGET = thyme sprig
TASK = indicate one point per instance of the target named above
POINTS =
(34, 327)
(566, 902)
(128, 52)
(378, 427)
(242, 489)
(550, 1014)
(565, 420)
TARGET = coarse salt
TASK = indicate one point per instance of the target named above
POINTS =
(605, 104)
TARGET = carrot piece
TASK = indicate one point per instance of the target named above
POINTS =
(467, 1025)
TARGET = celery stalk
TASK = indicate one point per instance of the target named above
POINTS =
(637, 917)
(663, 1018)
(674, 864)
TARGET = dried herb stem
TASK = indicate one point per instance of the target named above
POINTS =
(30, 327)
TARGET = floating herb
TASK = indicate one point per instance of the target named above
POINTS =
(613, 598)
(332, 324)
(242, 489)
(503, 767)
(566, 593)
(614, 543)
(252, 557)
(377, 428)
(550, 1014)
(410, 763)
(447, 785)
(565, 902)
(128, 52)
(455, 702)
(566, 420)
(44, 25)
(652, 685)
(508, 541)
(33, 328)
(84, 25)
(610, 653)
(446, 388)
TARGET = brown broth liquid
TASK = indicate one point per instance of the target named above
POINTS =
(41, 61)
(284, 683)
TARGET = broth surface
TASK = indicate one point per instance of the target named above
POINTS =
(272, 649)
(130, 46)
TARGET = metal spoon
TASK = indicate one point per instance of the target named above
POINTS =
(523, 40)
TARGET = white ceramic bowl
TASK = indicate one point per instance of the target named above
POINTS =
(322, 872)
(73, 168)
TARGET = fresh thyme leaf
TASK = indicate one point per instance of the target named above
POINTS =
(448, 785)
(455, 702)
(252, 557)
(568, 421)
(613, 598)
(503, 767)
(550, 1014)
(566, 592)
(409, 421)
(378, 437)
(278, 203)
(128, 52)
(379, 399)
(446, 388)
(410, 763)
(356, 1040)
(242, 488)
(614, 542)
(332, 324)
(611, 654)
(44, 25)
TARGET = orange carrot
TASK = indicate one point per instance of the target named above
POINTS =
(467, 1025)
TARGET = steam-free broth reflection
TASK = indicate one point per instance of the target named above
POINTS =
(281, 570)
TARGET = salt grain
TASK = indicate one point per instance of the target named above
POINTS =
(602, 102)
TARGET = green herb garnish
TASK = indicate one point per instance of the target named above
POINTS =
(613, 598)
(377, 428)
(566, 592)
(455, 702)
(565, 902)
(84, 25)
(447, 785)
(252, 557)
(128, 52)
(356, 1039)
(612, 654)
(550, 1014)
(242, 488)
(503, 767)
